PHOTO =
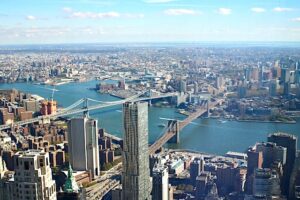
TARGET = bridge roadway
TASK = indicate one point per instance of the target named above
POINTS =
(81, 110)
(175, 126)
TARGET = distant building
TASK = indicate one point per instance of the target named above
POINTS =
(242, 91)
(285, 75)
(31, 105)
(33, 177)
(273, 88)
(48, 107)
(196, 87)
(83, 145)
(6, 117)
(182, 87)
(286, 89)
(290, 143)
(219, 82)
(136, 173)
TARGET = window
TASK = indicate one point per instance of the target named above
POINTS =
(26, 165)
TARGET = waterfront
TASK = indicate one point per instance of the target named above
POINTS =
(206, 135)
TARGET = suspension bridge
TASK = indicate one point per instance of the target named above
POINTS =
(171, 133)
(87, 106)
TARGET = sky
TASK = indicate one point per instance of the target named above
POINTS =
(115, 21)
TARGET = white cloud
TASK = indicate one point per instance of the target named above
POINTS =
(224, 11)
(258, 10)
(180, 12)
(130, 15)
(30, 17)
(93, 15)
(70, 13)
(67, 9)
(296, 19)
(158, 1)
(280, 9)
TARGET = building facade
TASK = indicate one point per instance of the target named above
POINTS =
(32, 178)
(136, 173)
(160, 183)
(83, 145)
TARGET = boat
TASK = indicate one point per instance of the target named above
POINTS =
(161, 125)
(222, 121)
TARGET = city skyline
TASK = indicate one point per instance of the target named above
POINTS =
(89, 21)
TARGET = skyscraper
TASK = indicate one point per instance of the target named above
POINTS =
(196, 167)
(273, 88)
(290, 143)
(160, 183)
(255, 160)
(266, 183)
(136, 173)
(271, 153)
(33, 177)
(83, 145)
(183, 86)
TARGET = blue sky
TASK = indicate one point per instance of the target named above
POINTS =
(88, 21)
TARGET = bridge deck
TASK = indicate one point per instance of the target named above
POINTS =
(169, 134)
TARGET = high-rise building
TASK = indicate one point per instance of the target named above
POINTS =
(242, 91)
(183, 86)
(255, 160)
(271, 153)
(285, 75)
(48, 107)
(219, 82)
(266, 183)
(286, 89)
(31, 105)
(52, 107)
(160, 183)
(255, 74)
(290, 143)
(83, 145)
(136, 173)
(247, 74)
(33, 177)
(196, 167)
(297, 76)
(44, 108)
(273, 88)
(196, 87)
(3, 170)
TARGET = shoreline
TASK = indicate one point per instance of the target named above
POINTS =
(266, 121)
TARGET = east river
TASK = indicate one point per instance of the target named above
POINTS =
(205, 135)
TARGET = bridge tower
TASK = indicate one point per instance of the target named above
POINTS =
(174, 127)
(86, 106)
(150, 95)
(207, 108)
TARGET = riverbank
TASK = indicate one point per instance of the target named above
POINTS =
(265, 121)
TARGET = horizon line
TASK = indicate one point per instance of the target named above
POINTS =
(296, 43)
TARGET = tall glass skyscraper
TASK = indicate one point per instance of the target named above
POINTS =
(136, 173)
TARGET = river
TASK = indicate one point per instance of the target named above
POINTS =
(206, 135)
